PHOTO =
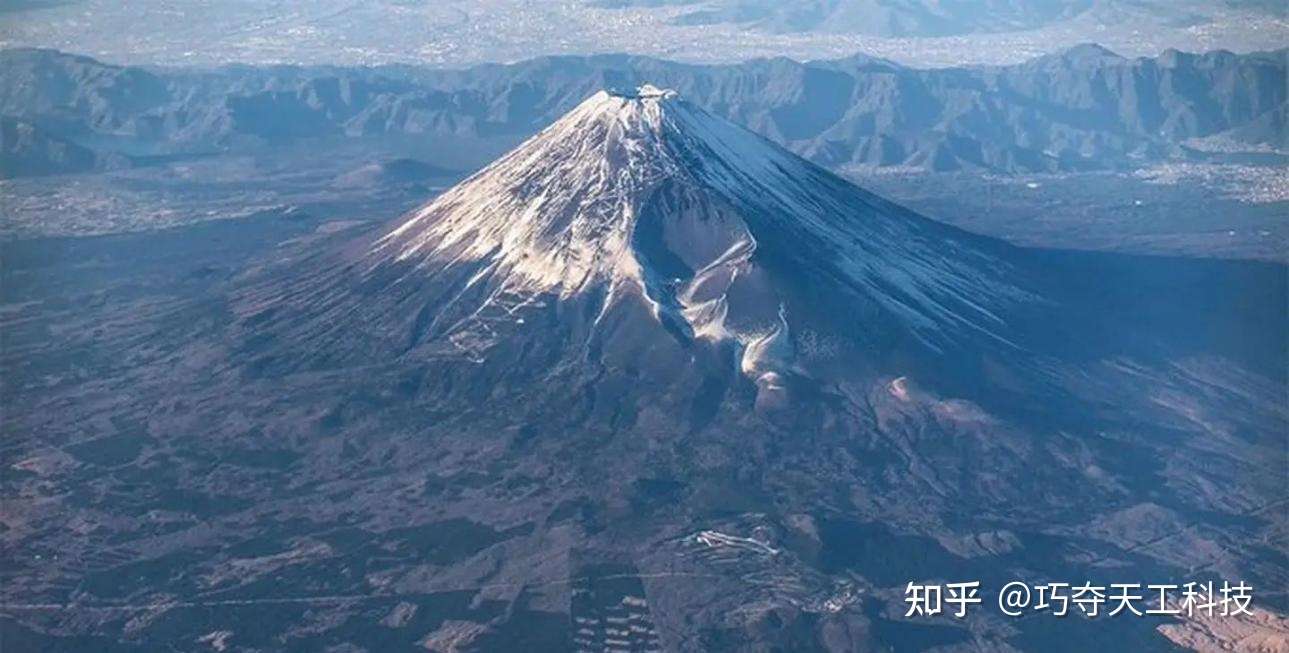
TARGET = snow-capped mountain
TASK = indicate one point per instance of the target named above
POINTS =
(638, 201)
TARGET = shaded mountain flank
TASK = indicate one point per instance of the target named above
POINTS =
(28, 151)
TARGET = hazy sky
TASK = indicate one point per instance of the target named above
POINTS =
(460, 32)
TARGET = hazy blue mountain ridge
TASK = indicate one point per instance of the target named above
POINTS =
(27, 150)
(1086, 108)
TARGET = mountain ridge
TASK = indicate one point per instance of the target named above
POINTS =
(27, 151)
(1050, 114)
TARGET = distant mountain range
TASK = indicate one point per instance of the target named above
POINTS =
(1084, 109)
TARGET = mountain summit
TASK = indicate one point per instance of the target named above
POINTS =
(640, 187)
